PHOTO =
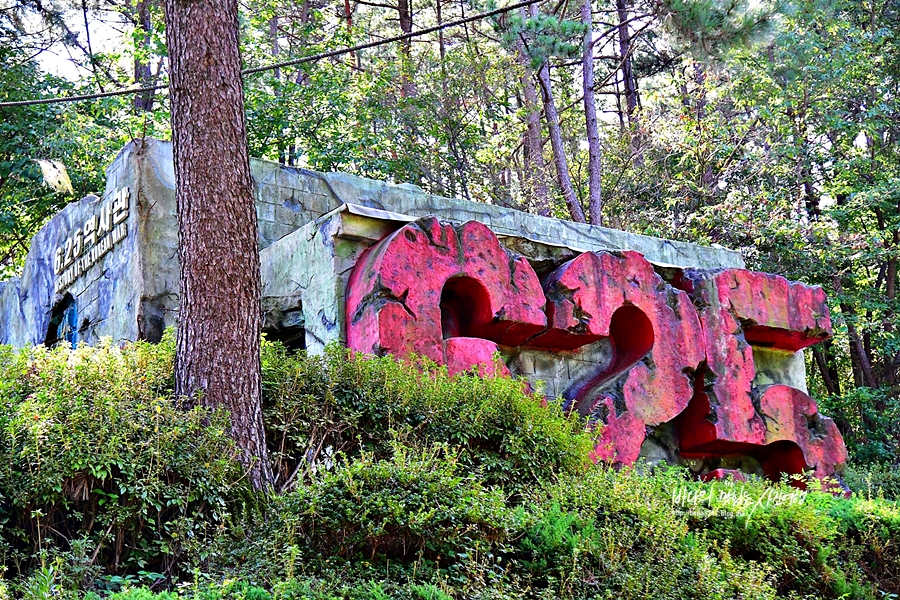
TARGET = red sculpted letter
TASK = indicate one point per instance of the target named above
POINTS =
(657, 344)
(448, 293)
(730, 414)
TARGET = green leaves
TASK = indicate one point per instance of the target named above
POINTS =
(353, 404)
(94, 448)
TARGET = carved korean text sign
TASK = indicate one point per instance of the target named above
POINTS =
(89, 241)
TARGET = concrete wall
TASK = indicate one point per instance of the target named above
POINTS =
(131, 291)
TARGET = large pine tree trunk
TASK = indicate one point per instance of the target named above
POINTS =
(217, 354)
(595, 166)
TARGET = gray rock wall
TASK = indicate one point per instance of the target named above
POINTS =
(129, 289)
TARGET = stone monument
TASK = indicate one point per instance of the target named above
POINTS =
(679, 352)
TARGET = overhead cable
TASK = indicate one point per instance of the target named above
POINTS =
(287, 63)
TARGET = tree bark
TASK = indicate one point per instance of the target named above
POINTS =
(595, 166)
(404, 13)
(556, 141)
(858, 356)
(143, 74)
(535, 169)
(628, 80)
(218, 349)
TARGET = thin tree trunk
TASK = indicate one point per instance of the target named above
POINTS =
(595, 166)
(90, 50)
(460, 165)
(143, 74)
(536, 173)
(404, 12)
(831, 361)
(285, 156)
(857, 351)
(628, 80)
(619, 111)
(218, 349)
(822, 364)
(556, 142)
(348, 16)
(890, 366)
(832, 385)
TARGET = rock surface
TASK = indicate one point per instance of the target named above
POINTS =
(677, 351)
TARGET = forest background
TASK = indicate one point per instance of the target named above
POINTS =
(768, 127)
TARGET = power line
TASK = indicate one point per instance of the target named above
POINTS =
(287, 63)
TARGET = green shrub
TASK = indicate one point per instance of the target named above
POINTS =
(337, 403)
(870, 423)
(100, 466)
(400, 482)
(876, 480)
(817, 544)
(416, 504)
(622, 534)
(142, 594)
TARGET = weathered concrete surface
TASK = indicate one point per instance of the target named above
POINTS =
(304, 275)
(104, 294)
(734, 410)
(505, 222)
(132, 291)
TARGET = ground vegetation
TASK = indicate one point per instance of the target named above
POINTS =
(392, 482)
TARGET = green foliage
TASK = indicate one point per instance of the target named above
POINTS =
(871, 423)
(416, 504)
(876, 480)
(427, 493)
(83, 138)
(102, 468)
(318, 407)
(624, 532)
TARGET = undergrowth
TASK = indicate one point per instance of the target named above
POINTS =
(393, 481)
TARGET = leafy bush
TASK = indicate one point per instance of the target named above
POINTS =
(319, 406)
(99, 465)
(433, 488)
(416, 504)
(622, 534)
(817, 544)
(876, 480)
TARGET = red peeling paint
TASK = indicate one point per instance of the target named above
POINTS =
(792, 416)
(655, 334)
(621, 436)
(398, 289)
(679, 354)
(463, 353)
(739, 309)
